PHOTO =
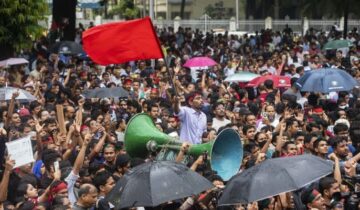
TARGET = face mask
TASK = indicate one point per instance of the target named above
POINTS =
(261, 144)
(344, 106)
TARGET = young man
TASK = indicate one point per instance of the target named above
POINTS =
(110, 157)
(104, 182)
(193, 120)
(219, 119)
(312, 199)
(327, 187)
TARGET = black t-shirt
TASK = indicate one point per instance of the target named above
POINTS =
(103, 204)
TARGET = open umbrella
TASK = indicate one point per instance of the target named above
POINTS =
(13, 61)
(24, 96)
(115, 92)
(242, 76)
(199, 62)
(326, 80)
(279, 81)
(153, 183)
(336, 44)
(67, 47)
(274, 176)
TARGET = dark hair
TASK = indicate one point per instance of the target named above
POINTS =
(286, 144)
(58, 207)
(49, 120)
(101, 178)
(94, 167)
(192, 95)
(289, 122)
(49, 157)
(299, 133)
(21, 190)
(325, 184)
(122, 160)
(26, 205)
(340, 127)
(308, 138)
(268, 84)
(246, 128)
(317, 142)
(335, 141)
(250, 146)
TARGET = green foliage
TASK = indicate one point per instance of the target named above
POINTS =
(19, 22)
(125, 9)
(329, 9)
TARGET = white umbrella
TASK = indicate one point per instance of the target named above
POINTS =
(13, 61)
(24, 96)
(242, 76)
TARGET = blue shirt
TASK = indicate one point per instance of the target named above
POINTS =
(193, 125)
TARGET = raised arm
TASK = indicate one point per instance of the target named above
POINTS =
(11, 108)
(9, 165)
(81, 156)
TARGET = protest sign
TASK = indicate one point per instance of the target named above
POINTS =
(20, 150)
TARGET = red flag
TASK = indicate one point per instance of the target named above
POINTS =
(121, 42)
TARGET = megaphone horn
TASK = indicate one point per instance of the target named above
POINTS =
(226, 151)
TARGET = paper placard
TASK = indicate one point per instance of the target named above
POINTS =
(20, 150)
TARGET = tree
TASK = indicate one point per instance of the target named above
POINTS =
(333, 9)
(126, 9)
(19, 24)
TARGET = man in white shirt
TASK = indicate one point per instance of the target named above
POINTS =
(219, 120)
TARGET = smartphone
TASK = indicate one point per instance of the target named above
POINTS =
(56, 165)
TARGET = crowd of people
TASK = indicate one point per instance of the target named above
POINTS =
(88, 143)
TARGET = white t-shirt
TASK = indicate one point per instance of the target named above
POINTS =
(219, 123)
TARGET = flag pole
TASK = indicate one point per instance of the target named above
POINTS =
(163, 56)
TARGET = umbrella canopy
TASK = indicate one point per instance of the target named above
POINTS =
(336, 44)
(241, 77)
(13, 61)
(67, 47)
(24, 96)
(274, 176)
(279, 81)
(153, 183)
(199, 62)
(115, 92)
(326, 80)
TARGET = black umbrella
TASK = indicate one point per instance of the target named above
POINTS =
(153, 183)
(274, 176)
(67, 47)
(115, 92)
